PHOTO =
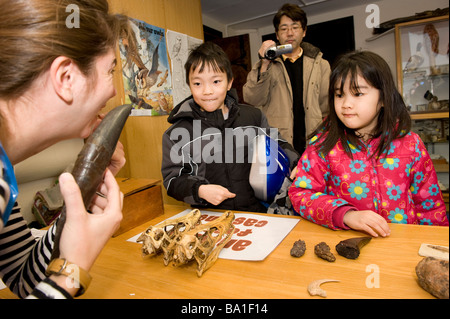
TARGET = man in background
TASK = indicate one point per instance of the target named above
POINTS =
(292, 89)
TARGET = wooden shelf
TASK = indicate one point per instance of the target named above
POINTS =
(441, 168)
(429, 115)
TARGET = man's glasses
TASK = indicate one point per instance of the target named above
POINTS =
(295, 28)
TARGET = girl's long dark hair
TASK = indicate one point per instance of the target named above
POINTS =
(393, 120)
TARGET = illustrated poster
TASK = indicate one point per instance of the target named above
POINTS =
(146, 72)
(179, 46)
(255, 236)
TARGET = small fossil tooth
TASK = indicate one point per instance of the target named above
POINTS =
(314, 287)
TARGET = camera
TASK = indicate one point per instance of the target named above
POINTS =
(272, 52)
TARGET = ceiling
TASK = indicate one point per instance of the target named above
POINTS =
(254, 14)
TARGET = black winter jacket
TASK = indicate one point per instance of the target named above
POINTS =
(204, 148)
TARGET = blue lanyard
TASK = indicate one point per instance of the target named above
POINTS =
(9, 184)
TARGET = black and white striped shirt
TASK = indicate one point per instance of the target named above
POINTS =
(24, 259)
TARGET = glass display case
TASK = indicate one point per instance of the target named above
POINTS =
(422, 52)
(423, 66)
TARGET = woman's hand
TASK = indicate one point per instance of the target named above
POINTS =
(118, 158)
(84, 235)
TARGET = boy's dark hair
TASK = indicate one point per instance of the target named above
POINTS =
(292, 11)
(393, 120)
(208, 54)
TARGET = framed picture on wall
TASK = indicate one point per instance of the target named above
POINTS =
(423, 64)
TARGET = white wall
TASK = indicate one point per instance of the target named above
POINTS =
(384, 46)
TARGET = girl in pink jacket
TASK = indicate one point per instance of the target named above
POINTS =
(363, 167)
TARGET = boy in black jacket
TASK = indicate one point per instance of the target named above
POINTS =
(206, 152)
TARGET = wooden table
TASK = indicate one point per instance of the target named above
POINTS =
(385, 268)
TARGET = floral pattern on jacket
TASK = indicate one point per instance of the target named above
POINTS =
(401, 185)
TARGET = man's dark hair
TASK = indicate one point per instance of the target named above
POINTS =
(292, 11)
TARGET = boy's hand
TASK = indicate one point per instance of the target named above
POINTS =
(214, 194)
(368, 221)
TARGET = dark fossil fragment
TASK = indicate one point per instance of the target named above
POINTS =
(351, 248)
(322, 250)
(298, 249)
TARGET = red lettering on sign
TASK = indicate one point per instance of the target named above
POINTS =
(208, 218)
(238, 245)
(239, 220)
(230, 243)
(261, 223)
(244, 232)
(241, 244)
(250, 222)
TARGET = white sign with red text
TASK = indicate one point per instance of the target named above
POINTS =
(255, 236)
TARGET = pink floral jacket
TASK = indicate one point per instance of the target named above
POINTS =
(401, 186)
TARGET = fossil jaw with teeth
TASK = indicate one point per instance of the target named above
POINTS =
(184, 239)
(159, 237)
(203, 243)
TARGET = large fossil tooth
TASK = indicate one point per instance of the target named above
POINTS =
(351, 248)
(314, 287)
(92, 161)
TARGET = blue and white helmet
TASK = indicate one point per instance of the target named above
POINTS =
(270, 165)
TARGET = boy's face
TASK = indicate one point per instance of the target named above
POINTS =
(209, 88)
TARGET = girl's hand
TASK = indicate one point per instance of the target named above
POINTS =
(293, 173)
(214, 194)
(84, 235)
(368, 221)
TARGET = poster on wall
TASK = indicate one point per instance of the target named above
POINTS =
(179, 45)
(146, 73)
